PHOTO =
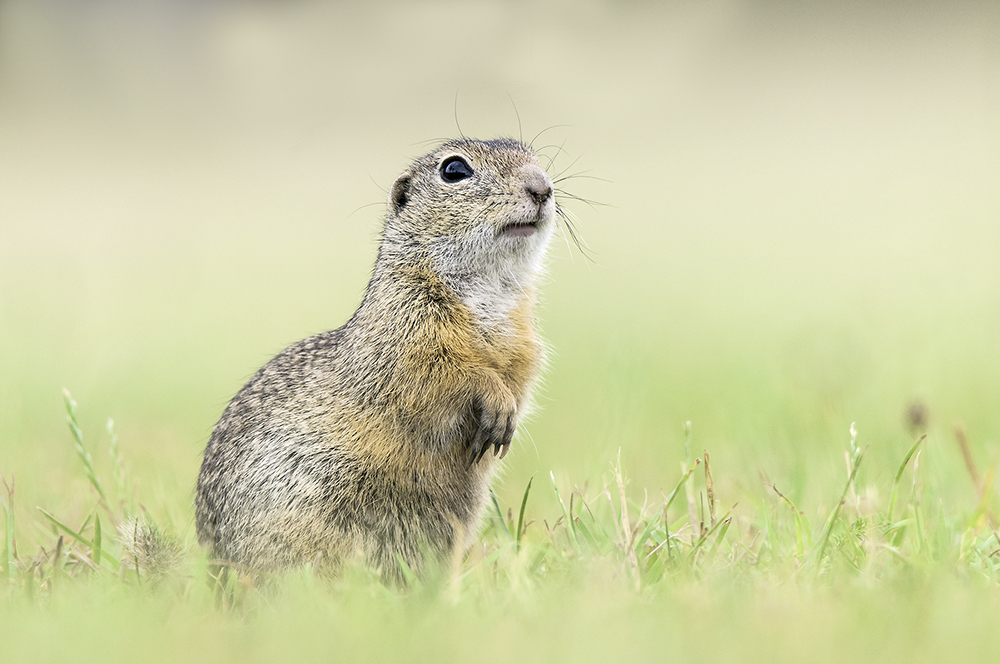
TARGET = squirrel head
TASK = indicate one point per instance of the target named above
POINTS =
(473, 207)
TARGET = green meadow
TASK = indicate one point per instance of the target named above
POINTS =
(770, 423)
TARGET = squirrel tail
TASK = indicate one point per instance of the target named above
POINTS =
(150, 554)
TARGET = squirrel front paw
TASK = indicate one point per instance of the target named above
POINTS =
(493, 426)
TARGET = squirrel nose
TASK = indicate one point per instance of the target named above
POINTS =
(537, 184)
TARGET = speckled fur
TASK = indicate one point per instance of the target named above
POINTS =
(366, 441)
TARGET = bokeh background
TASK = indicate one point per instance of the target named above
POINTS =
(797, 221)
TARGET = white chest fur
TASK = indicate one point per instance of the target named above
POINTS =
(491, 300)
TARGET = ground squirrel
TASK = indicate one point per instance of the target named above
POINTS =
(372, 440)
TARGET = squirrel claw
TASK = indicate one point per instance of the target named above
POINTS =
(476, 448)
(492, 429)
(482, 452)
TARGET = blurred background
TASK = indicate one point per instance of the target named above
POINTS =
(798, 221)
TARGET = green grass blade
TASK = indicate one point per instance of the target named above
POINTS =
(646, 532)
(230, 589)
(801, 526)
(96, 549)
(721, 536)
(520, 515)
(78, 537)
(718, 524)
(588, 537)
(899, 475)
(408, 574)
(88, 462)
(566, 515)
(680, 485)
(824, 538)
(981, 515)
(499, 514)
(85, 524)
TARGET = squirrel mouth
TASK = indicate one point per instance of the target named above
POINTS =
(519, 229)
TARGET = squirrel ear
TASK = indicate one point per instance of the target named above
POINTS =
(400, 192)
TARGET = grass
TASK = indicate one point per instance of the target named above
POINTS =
(612, 570)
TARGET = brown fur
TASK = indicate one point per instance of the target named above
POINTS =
(368, 441)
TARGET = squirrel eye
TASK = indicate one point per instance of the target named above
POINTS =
(454, 169)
